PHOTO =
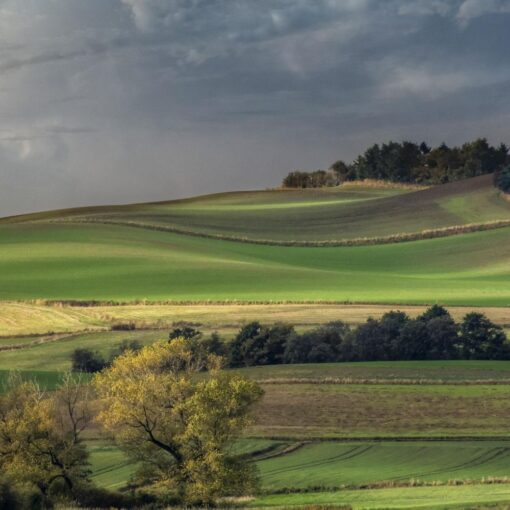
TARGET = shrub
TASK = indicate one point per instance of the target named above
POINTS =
(86, 360)
(502, 179)
(124, 326)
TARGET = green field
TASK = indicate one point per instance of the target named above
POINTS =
(110, 468)
(56, 355)
(319, 427)
(122, 263)
(335, 465)
(468, 496)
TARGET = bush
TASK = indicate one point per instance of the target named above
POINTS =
(124, 326)
(502, 179)
(86, 360)
(93, 497)
(23, 497)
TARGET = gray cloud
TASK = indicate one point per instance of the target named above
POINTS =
(129, 100)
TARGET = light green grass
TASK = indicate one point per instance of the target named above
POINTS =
(415, 497)
(122, 263)
(333, 465)
(56, 355)
(110, 467)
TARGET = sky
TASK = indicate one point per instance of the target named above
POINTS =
(117, 101)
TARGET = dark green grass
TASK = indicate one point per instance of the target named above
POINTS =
(448, 371)
(341, 214)
(46, 379)
(334, 465)
(122, 263)
(110, 467)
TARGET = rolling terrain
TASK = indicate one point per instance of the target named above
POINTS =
(105, 262)
(319, 428)
(47, 256)
(351, 211)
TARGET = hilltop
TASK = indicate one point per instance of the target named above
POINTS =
(350, 211)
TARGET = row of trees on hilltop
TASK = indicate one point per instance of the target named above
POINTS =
(410, 163)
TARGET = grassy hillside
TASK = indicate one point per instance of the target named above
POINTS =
(350, 211)
(120, 263)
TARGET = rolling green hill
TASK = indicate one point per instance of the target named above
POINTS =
(106, 262)
(71, 254)
(347, 212)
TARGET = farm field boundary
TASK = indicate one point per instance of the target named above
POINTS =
(360, 241)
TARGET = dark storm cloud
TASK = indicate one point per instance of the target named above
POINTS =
(120, 100)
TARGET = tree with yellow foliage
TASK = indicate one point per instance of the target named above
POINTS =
(40, 435)
(173, 409)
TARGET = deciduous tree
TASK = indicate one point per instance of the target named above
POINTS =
(178, 424)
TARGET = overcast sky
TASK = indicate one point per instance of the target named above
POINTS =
(111, 101)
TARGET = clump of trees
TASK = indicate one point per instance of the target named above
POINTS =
(434, 335)
(178, 427)
(411, 163)
(42, 454)
(315, 179)
(87, 360)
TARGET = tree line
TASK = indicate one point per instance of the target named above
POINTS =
(434, 335)
(410, 163)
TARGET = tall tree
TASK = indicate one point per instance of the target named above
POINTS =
(179, 426)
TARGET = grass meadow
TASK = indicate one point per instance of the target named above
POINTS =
(101, 262)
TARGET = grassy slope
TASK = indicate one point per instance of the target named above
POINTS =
(111, 262)
(323, 214)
